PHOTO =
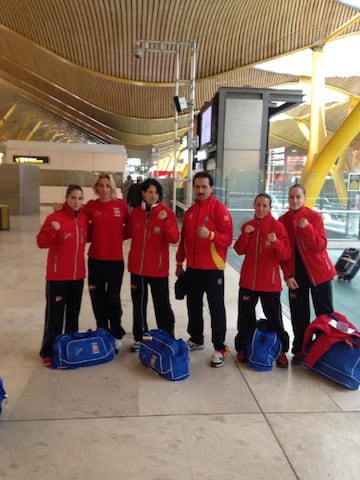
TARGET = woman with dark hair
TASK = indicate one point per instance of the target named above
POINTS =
(309, 269)
(108, 216)
(64, 233)
(152, 228)
(264, 243)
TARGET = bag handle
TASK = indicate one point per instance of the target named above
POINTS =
(86, 334)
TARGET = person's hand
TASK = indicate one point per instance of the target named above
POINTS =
(55, 225)
(162, 215)
(179, 271)
(292, 283)
(271, 237)
(203, 232)
(303, 222)
(249, 229)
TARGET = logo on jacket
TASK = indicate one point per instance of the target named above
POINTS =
(157, 230)
(117, 212)
(206, 218)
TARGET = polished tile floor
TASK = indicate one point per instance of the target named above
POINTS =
(120, 421)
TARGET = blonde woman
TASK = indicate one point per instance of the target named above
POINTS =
(108, 216)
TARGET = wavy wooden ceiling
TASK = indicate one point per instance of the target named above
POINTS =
(68, 71)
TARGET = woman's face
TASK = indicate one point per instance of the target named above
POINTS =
(296, 198)
(151, 195)
(262, 207)
(74, 200)
(103, 189)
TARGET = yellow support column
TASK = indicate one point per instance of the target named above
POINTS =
(317, 115)
(7, 114)
(337, 172)
(327, 157)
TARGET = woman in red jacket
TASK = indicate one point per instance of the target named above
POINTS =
(309, 269)
(108, 216)
(152, 228)
(264, 243)
(64, 233)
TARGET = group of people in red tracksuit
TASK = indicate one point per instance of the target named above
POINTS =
(106, 222)
(296, 243)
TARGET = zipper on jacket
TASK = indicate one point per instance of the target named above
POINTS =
(257, 242)
(327, 264)
(144, 242)
(196, 237)
(273, 276)
(301, 249)
(77, 236)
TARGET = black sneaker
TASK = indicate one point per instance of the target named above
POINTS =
(135, 347)
(195, 346)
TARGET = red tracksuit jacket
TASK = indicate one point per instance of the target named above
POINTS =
(150, 239)
(311, 243)
(260, 270)
(328, 336)
(107, 228)
(200, 253)
(66, 255)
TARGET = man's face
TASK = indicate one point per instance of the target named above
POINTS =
(202, 188)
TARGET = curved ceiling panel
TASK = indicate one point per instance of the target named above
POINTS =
(72, 64)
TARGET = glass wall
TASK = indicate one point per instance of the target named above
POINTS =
(340, 213)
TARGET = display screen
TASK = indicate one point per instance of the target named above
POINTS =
(30, 159)
(205, 126)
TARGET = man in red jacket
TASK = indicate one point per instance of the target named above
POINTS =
(264, 242)
(205, 238)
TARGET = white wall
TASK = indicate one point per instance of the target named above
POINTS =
(69, 157)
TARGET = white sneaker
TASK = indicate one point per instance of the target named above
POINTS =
(118, 345)
(218, 358)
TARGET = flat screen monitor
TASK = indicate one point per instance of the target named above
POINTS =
(205, 126)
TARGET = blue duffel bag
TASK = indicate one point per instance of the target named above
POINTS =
(264, 348)
(332, 348)
(3, 395)
(341, 363)
(83, 349)
(165, 355)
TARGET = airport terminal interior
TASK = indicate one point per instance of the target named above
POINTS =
(163, 89)
(121, 420)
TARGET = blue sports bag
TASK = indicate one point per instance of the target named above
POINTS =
(83, 349)
(264, 348)
(332, 348)
(341, 363)
(166, 356)
(3, 395)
